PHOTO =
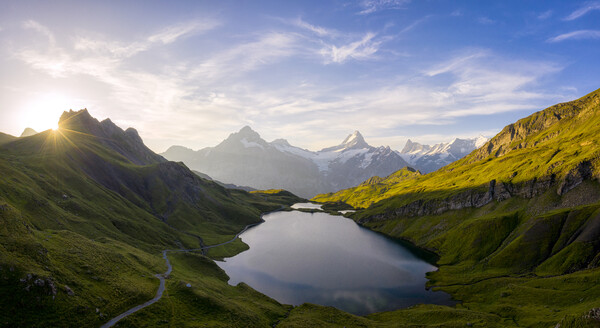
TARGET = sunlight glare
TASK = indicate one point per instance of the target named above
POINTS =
(44, 111)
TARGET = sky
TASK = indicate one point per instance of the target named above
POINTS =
(191, 72)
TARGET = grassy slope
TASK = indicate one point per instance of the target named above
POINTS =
(529, 261)
(78, 216)
(4, 138)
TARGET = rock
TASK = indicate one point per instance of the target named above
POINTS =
(576, 176)
(69, 291)
(594, 314)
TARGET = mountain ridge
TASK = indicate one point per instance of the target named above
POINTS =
(244, 158)
(428, 158)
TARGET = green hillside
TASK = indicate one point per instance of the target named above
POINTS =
(4, 138)
(516, 223)
(84, 214)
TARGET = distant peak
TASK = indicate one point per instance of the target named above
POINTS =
(480, 141)
(280, 141)
(412, 146)
(355, 140)
(246, 129)
(28, 132)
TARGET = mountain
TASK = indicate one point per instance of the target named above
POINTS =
(226, 185)
(28, 132)
(427, 158)
(516, 223)
(6, 138)
(84, 214)
(244, 158)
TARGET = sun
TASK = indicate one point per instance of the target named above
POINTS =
(43, 112)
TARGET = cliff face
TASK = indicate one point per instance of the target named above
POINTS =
(497, 191)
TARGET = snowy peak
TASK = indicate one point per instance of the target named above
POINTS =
(281, 142)
(352, 141)
(355, 141)
(414, 147)
(430, 158)
(480, 141)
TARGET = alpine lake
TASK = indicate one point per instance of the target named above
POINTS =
(298, 257)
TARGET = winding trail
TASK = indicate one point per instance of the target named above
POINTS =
(162, 276)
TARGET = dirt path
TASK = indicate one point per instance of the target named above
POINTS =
(162, 276)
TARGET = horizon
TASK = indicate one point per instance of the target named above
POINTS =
(192, 73)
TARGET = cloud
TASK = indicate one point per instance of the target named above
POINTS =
(485, 21)
(590, 6)
(362, 49)
(576, 35)
(165, 36)
(33, 25)
(371, 6)
(545, 15)
(247, 56)
(318, 30)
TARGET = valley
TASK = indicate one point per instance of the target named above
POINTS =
(299, 164)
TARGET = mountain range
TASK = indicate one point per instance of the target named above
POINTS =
(244, 158)
(427, 158)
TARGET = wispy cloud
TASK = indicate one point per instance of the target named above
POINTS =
(165, 36)
(545, 15)
(590, 6)
(318, 30)
(248, 56)
(576, 35)
(362, 49)
(371, 6)
(33, 25)
(485, 20)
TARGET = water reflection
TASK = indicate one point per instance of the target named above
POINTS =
(297, 257)
(309, 206)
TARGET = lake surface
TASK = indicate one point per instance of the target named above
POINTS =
(298, 257)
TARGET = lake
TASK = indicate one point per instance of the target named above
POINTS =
(297, 257)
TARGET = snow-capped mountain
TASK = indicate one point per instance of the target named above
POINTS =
(244, 158)
(427, 158)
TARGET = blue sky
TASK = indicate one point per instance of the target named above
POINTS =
(192, 72)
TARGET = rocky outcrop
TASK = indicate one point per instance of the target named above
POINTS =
(45, 286)
(575, 177)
